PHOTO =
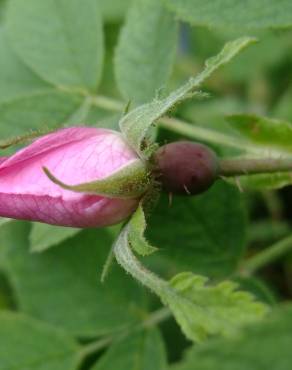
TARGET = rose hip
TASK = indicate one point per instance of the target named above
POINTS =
(186, 167)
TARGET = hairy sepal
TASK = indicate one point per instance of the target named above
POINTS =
(136, 124)
(131, 181)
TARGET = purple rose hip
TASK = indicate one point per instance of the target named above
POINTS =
(186, 167)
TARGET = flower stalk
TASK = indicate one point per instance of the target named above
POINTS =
(243, 166)
(267, 256)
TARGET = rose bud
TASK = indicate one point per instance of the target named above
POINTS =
(186, 168)
(105, 179)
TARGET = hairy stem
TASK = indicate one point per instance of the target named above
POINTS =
(267, 256)
(126, 258)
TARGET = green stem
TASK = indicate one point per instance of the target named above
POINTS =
(126, 258)
(267, 256)
(228, 167)
(107, 103)
(201, 133)
(179, 126)
(152, 320)
(243, 166)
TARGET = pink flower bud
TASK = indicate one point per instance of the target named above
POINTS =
(75, 155)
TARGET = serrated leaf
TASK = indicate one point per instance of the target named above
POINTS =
(200, 234)
(203, 310)
(62, 41)
(268, 132)
(143, 351)
(264, 345)
(146, 50)
(43, 236)
(47, 284)
(27, 344)
(235, 14)
(136, 124)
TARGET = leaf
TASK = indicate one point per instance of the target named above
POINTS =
(36, 111)
(146, 50)
(135, 124)
(268, 132)
(143, 351)
(45, 236)
(203, 310)
(17, 80)
(255, 349)
(113, 10)
(234, 14)
(283, 108)
(61, 286)
(259, 288)
(200, 234)
(200, 309)
(27, 344)
(6, 294)
(60, 40)
(272, 181)
(2, 9)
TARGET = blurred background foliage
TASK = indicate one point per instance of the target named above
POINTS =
(145, 49)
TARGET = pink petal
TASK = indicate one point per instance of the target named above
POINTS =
(3, 159)
(87, 211)
(74, 155)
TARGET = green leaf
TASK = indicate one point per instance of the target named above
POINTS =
(200, 234)
(17, 80)
(135, 125)
(6, 294)
(200, 309)
(235, 14)
(36, 111)
(61, 41)
(143, 351)
(264, 131)
(146, 50)
(113, 10)
(259, 288)
(264, 181)
(45, 236)
(61, 286)
(27, 344)
(2, 9)
(264, 345)
(283, 107)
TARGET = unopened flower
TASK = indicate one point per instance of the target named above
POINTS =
(78, 155)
